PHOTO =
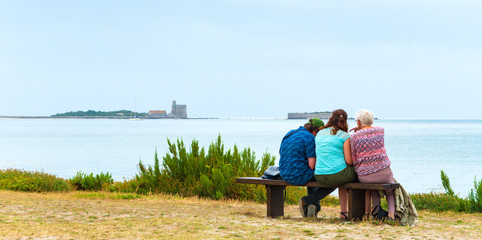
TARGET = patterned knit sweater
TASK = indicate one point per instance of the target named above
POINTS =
(368, 151)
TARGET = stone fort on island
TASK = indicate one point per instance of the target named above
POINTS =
(320, 115)
(177, 111)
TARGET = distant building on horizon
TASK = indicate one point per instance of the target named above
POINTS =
(157, 114)
(177, 111)
(320, 115)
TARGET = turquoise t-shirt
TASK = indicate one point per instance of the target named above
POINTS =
(330, 158)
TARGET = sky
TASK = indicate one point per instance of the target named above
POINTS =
(411, 59)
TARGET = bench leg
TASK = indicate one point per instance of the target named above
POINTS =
(275, 203)
(356, 204)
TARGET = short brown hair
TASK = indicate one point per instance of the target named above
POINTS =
(310, 127)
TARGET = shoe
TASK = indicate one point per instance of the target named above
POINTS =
(379, 213)
(311, 212)
(345, 216)
(303, 207)
(318, 209)
(382, 214)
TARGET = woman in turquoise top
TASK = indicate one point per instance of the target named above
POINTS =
(334, 166)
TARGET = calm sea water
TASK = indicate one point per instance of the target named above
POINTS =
(418, 149)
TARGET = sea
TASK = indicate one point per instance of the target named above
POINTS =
(418, 149)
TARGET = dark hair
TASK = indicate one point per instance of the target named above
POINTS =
(310, 127)
(337, 121)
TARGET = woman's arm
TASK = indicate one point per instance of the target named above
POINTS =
(312, 162)
(347, 152)
(353, 151)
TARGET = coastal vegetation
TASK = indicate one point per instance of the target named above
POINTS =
(19, 180)
(84, 181)
(449, 201)
(210, 173)
(92, 113)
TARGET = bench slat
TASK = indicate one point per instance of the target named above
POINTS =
(271, 182)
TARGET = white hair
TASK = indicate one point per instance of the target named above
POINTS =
(365, 117)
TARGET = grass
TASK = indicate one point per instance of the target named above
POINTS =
(101, 195)
(104, 215)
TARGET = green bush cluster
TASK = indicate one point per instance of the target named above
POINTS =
(449, 201)
(19, 180)
(438, 202)
(210, 174)
(84, 181)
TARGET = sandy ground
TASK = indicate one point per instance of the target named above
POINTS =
(85, 215)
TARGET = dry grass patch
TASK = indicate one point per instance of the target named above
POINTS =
(87, 215)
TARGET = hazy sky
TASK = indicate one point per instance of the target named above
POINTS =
(247, 58)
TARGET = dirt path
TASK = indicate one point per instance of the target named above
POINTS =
(84, 215)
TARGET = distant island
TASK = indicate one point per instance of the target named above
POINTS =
(101, 114)
(177, 111)
(306, 115)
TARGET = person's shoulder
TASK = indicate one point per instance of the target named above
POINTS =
(354, 134)
(378, 129)
(324, 131)
(301, 131)
(343, 134)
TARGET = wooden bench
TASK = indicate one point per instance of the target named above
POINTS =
(356, 194)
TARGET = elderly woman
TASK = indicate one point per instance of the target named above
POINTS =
(333, 158)
(370, 160)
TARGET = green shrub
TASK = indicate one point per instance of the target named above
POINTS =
(125, 186)
(446, 184)
(20, 180)
(208, 174)
(84, 181)
(475, 197)
(149, 179)
(438, 202)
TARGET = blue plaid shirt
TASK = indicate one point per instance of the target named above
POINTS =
(294, 153)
